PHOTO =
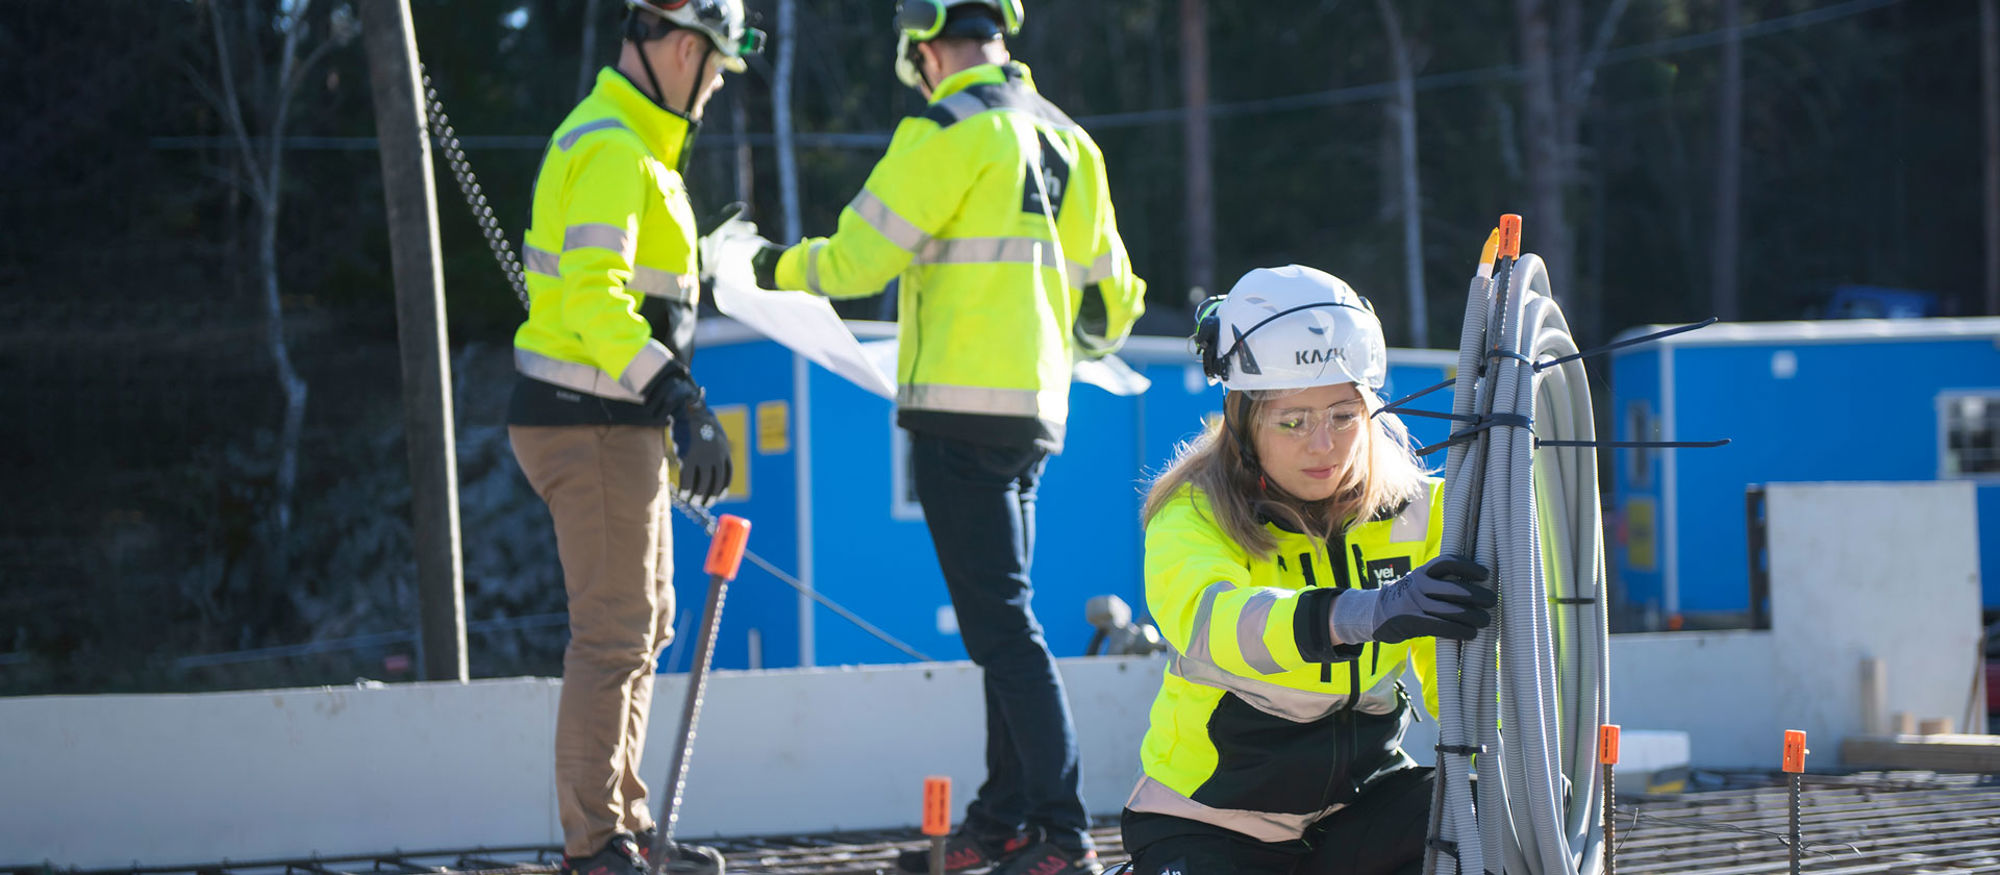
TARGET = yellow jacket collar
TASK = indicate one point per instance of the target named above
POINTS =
(665, 131)
(984, 74)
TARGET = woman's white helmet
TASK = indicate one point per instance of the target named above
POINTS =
(1284, 329)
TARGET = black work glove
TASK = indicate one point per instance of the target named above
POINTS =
(1446, 598)
(764, 265)
(706, 469)
(668, 392)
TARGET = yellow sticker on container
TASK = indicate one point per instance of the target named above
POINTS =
(774, 427)
(735, 420)
(1641, 534)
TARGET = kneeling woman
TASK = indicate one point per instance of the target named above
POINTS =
(1292, 561)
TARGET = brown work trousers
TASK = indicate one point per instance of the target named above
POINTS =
(606, 488)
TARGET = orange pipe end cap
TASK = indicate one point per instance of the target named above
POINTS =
(937, 806)
(725, 550)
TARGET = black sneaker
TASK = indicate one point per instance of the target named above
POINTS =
(620, 856)
(963, 853)
(1048, 859)
(685, 859)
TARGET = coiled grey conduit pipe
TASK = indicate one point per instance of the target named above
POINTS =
(1530, 690)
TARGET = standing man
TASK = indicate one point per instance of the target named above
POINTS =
(603, 362)
(993, 209)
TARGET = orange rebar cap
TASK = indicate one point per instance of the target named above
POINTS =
(1510, 235)
(1795, 751)
(725, 549)
(937, 806)
(1607, 744)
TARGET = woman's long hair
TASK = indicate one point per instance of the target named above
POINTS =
(1218, 463)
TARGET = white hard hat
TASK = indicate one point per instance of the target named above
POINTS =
(1285, 329)
(722, 21)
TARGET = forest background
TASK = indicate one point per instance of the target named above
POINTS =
(201, 413)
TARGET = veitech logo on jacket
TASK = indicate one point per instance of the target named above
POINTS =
(1382, 572)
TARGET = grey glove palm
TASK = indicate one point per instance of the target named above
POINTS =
(1446, 598)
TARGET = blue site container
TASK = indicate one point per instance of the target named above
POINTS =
(1853, 400)
(821, 478)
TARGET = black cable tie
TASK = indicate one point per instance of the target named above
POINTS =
(1442, 846)
(1634, 341)
(1433, 414)
(1464, 750)
(1490, 420)
(1572, 601)
(1539, 443)
(1398, 403)
(1498, 353)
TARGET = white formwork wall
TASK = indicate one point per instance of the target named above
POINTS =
(102, 781)
(1885, 571)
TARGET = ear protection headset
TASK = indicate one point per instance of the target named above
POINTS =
(923, 20)
(1207, 329)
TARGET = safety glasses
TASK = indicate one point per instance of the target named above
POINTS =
(923, 20)
(1298, 423)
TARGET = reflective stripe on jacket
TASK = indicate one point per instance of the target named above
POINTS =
(611, 227)
(994, 209)
(1261, 725)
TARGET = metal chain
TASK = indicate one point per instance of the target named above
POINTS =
(503, 252)
(468, 185)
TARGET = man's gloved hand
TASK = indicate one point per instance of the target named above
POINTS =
(706, 468)
(764, 264)
(668, 391)
(1446, 598)
(732, 243)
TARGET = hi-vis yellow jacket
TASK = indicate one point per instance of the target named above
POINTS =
(994, 209)
(611, 227)
(1262, 725)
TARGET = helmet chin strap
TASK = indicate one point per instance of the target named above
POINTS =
(917, 61)
(637, 32)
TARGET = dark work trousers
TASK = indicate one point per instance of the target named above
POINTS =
(979, 502)
(1380, 833)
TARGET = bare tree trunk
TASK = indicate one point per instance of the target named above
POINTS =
(1195, 135)
(1403, 110)
(587, 63)
(1728, 171)
(781, 108)
(1989, 89)
(274, 314)
(264, 174)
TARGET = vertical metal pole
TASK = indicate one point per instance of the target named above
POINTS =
(1194, 133)
(420, 331)
(1729, 169)
(1989, 90)
(781, 118)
